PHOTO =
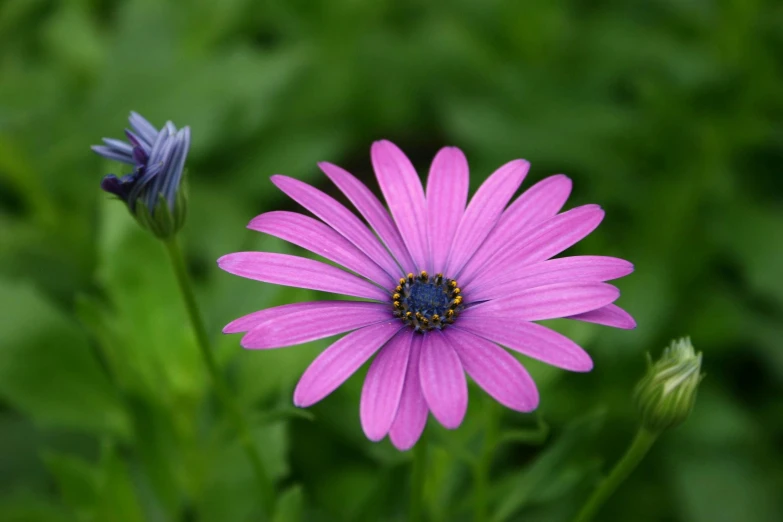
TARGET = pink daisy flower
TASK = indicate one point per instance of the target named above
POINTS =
(443, 285)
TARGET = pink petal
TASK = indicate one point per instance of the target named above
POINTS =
(538, 203)
(483, 212)
(338, 362)
(383, 386)
(609, 315)
(530, 339)
(320, 239)
(562, 270)
(250, 321)
(495, 370)
(282, 269)
(290, 326)
(373, 211)
(447, 193)
(562, 235)
(548, 302)
(412, 412)
(548, 239)
(402, 189)
(443, 380)
(339, 218)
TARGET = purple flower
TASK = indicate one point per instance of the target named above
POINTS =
(152, 191)
(444, 284)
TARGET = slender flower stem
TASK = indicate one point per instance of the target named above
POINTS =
(418, 475)
(221, 387)
(633, 456)
(484, 462)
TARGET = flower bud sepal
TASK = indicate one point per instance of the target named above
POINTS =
(665, 396)
(162, 220)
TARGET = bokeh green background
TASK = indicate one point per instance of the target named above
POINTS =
(667, 113)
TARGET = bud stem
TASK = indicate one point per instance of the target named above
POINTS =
(266, 488)
(633, 456)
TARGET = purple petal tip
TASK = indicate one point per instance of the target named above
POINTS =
(583, 366)
(223, 261)
(277, 179)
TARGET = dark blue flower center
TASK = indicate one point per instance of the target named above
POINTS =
(428, 299)
(427, 303)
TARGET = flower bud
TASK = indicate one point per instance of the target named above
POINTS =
(666, 394)
(153, 191)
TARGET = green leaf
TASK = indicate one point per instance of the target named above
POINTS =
(20, 442)
(725, 488)
(363, 484)
(117, 500)
(552, 470)
(78, 482)
(722, 464)
(26, 507)
(96, 492)
(290, 506)
(445, 475)
(280, 414)
(752, 233)
(228, 489)
(48, 370)
(148, 335)
(73, 36)
(532, 436)
(161, 447)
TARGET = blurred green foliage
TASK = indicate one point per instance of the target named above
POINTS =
(668, 113)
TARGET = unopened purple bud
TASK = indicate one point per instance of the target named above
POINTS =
(152, 191)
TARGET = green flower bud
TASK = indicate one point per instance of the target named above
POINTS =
(666, 394)
(162, 220)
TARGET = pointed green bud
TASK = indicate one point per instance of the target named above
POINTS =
(666, 394)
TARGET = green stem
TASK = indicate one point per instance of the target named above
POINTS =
(221, 387)
(633, 456)
(484, 463)
(418, 475)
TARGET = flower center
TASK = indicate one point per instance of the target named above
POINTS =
(426, 303)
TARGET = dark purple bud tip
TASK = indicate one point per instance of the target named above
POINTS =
(132, 138)
(139, 156)
(120, 187)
